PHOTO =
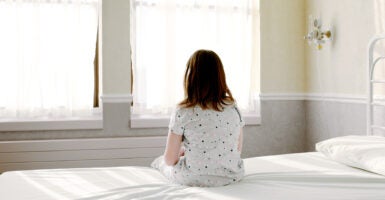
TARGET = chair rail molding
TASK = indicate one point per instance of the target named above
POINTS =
(343, 98)
(116, 98)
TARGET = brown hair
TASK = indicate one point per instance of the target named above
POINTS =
(205, 82)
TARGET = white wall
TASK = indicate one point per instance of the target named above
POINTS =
(116, 71)
(282, 46)
(341, 66)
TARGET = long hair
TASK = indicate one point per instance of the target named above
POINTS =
(205, 82)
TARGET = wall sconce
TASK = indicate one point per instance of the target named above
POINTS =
(316, 36)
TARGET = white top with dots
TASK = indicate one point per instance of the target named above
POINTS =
(210, 139)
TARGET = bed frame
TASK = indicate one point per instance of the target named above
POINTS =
(371, 100)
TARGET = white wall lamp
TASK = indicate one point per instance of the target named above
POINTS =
(316, 36)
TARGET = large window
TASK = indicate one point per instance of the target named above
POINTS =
(47, 50)
(166, 32)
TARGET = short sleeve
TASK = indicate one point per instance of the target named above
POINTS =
(177, 122)
(241, 121)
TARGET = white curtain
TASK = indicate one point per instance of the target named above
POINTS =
(166, 32)
(47, 50)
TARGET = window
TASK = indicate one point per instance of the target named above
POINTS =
(47, 58)
(164, 35)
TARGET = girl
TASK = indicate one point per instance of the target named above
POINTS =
(205, 133)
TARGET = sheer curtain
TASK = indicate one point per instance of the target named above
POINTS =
(47, 52)
(166, 32)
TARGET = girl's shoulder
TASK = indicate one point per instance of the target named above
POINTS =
(181, 112)
(235, 111)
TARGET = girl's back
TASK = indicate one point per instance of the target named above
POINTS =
(210, 139)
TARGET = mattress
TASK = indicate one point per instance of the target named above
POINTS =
(291, 176)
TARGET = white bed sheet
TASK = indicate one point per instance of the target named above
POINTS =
(284, 177)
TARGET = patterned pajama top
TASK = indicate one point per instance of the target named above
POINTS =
(210, 139)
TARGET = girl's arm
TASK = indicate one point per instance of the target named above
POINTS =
(240, 141)
(171, 154)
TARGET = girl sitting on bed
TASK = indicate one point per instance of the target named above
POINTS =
(204, 142)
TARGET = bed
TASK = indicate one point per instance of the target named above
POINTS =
(351, 167)
(291, 176)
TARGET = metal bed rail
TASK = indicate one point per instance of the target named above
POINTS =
(370, 126)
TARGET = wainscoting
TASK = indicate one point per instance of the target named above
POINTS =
(100, 152)
(327, 119)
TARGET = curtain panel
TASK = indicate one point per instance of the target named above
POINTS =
(47, 57)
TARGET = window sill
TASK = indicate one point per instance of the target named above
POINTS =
(156, 121)
(252, 119)
(79, 123)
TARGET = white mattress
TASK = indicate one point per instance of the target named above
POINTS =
(284, 177)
